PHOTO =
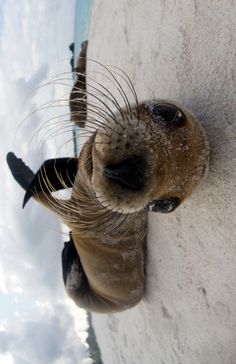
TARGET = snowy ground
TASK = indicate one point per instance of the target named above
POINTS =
(182, 50)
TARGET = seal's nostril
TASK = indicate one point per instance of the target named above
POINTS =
(128, 173)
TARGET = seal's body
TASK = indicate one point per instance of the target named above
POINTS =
(113, 265)
(146, 156)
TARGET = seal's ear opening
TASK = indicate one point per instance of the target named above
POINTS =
(53, 175)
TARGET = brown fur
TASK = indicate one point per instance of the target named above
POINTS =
(108, 220)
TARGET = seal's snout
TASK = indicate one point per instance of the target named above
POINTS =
(129, 174)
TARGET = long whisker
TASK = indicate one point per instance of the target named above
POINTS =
(119, 87)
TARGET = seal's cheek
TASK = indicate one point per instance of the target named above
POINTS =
(164, 205)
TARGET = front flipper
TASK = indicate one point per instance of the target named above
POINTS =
(78, 95)
(53, 175)
(22, 174)
(72, 271)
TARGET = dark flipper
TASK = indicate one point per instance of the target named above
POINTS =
(22, 174)
(72, 271)
(78, 95)
(53, 175)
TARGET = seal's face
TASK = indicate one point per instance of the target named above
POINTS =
(151, 156)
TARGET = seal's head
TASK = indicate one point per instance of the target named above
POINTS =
(150, 156)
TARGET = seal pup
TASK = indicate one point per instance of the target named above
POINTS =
(145, 156)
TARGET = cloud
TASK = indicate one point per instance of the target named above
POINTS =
(50, 337)
(38, 323)
(6, 359)
(35, 57)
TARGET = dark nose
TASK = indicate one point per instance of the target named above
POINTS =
(130, 173)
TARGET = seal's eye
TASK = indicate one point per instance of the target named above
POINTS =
(166, 115)
(163, 205)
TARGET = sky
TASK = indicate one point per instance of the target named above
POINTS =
(39, 324)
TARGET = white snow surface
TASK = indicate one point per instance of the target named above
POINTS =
(184, 51)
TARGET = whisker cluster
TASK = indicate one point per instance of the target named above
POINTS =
(100, 110)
